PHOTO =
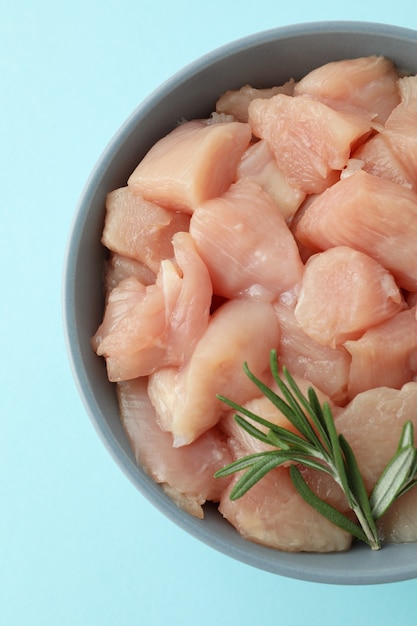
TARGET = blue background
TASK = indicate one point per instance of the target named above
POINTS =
(78, 544)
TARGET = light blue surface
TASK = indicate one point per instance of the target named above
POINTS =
(78, 544)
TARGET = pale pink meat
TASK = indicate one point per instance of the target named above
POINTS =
(343, 293)
(376, 157)
(325, 367)
(401, 128)
(146, 327)
(385, 354)
(372, 424)
(310, 141)
(119, 267)
(236, 102)
(366, 85)
(236, 236)
(259, 165)
(392, 153)
(185, 398)
(140, 229)
(273, 514)
(191, 164)
(186, 473)
(287, 221)
(130, 335)
(370, 214)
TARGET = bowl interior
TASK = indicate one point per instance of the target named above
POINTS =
(264, 59)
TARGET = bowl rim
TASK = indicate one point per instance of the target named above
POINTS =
(264, 558)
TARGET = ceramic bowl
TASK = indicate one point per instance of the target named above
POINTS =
(262, 59)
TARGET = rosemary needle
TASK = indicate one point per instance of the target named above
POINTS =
(318, 445)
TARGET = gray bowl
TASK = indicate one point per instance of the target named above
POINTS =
(261, 59)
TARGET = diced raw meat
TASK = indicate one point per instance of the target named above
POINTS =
(370, 214)
(385, 354)
(325, 367)
(372, 424)
(236, 102)
(392, 153)
(258, 164)
(145, 328)
(236, 236)
(193, 163)
(376, 157)
(129, 336)
(139, 229)
(366, 84)
(272, 513)
(119, 267)
(185, 399)
(188, 472)
(401, 128)
(286, 220)
(310, 141)
(343, 293)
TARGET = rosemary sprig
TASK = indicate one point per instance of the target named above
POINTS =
(318, 445)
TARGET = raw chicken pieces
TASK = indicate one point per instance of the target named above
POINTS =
(287, 220)
(185, 398)
(369, 214)
(236, 103)
(386, 354)
(195, 162)
(146, 327)
(119, 267)
(356, 294)
(274, 514)
(400, 128)
(236, 236)
(367, 86)
(311, 142)
(259, 165)
(180, 470)
(323, 366)
(140, 230)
